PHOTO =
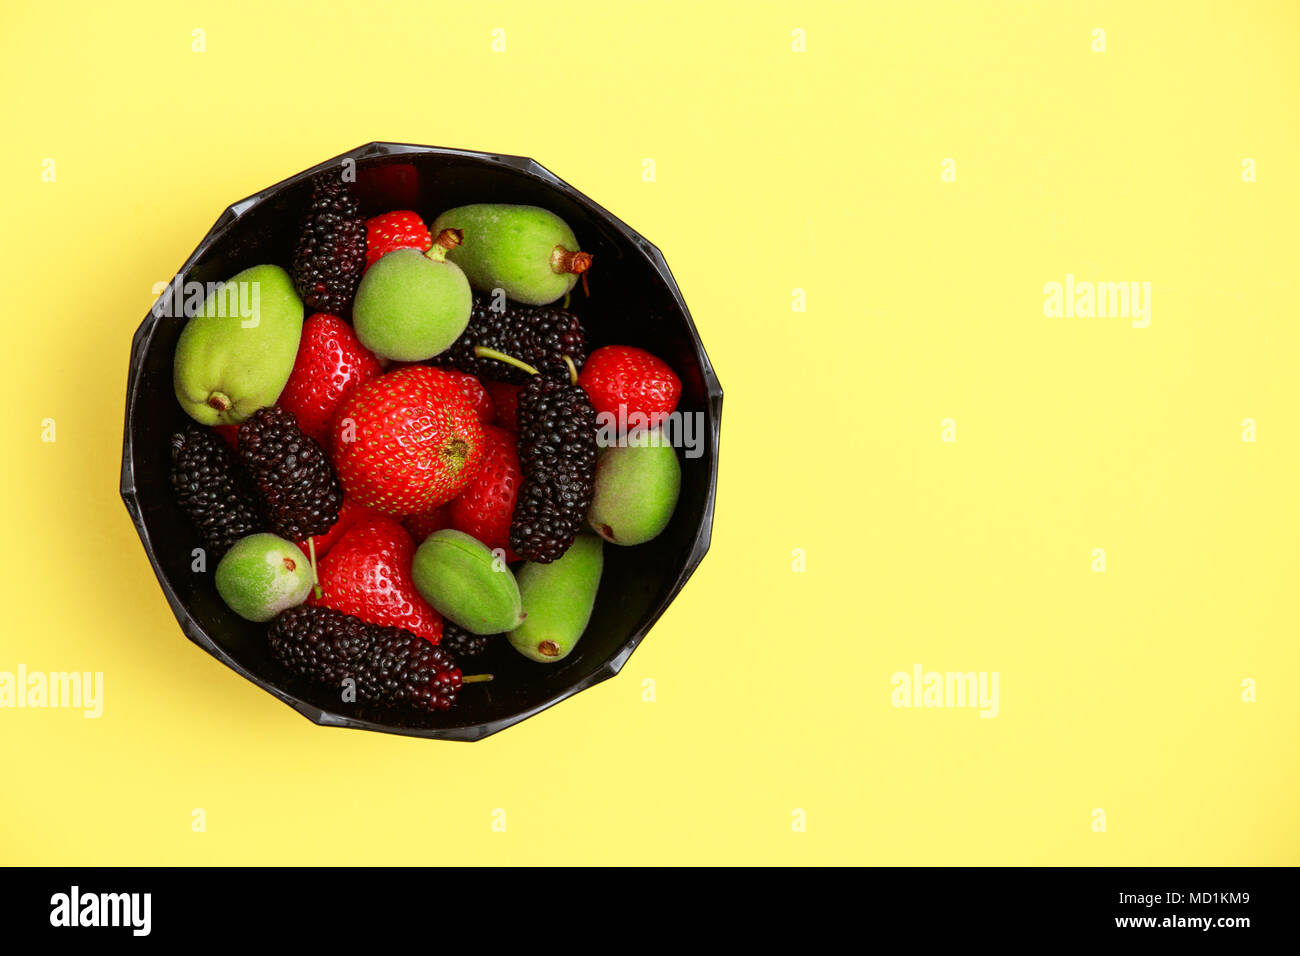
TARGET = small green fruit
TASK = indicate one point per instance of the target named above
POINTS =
(636, 490)
(467, 583)
(558, 598)
(527, 251)
(262, 575)
(412, 305)
(235, 354)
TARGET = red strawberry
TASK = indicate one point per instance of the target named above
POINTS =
(624, 381)
(349, 514)
(421, 526)
(505, 400)
(395, 230)
(486, 507)
(331, 365)
(408, 441)
(471, 386)
(477, 395)
(368, 575)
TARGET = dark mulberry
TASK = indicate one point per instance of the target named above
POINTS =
(301, 494)
(331, 252)
(541, 337)
(461, 642)
(390, 667)
(557, 455)
(211, 490)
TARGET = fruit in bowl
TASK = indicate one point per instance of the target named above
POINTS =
(427, 442)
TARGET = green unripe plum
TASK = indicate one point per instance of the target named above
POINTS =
(558, 598)
(235, 354)
(467, 583)
(527, 251)
(636, 490)
(412, 305)
(262, 575)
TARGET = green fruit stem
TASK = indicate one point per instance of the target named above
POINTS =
(482, 351)
(476, 679)
(447, 240)
(315, 579)
(573, 370)
(563, 261)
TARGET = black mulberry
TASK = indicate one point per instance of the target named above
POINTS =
(541, 337)
(211, 490)
(301, 494)
(331, 252)
(557, 454)
(390, 667)
(461, 642)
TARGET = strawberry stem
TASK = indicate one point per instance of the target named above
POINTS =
(482, 351)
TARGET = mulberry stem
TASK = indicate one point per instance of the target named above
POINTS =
(315, 579)
(482, 351)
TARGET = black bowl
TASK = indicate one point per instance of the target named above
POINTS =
(633, 301)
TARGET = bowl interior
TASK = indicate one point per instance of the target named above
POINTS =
(632, 301)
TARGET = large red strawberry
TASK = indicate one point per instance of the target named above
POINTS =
(408, 441)
(624, 382)
(474, 391)
(331, 365)
(368, 574)
(486, 507)
(477, 395)
(402, 229)
(349, 514)
(505, 402)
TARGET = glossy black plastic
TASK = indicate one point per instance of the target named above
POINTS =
(634, 300)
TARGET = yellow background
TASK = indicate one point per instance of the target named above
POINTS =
(776, 170)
